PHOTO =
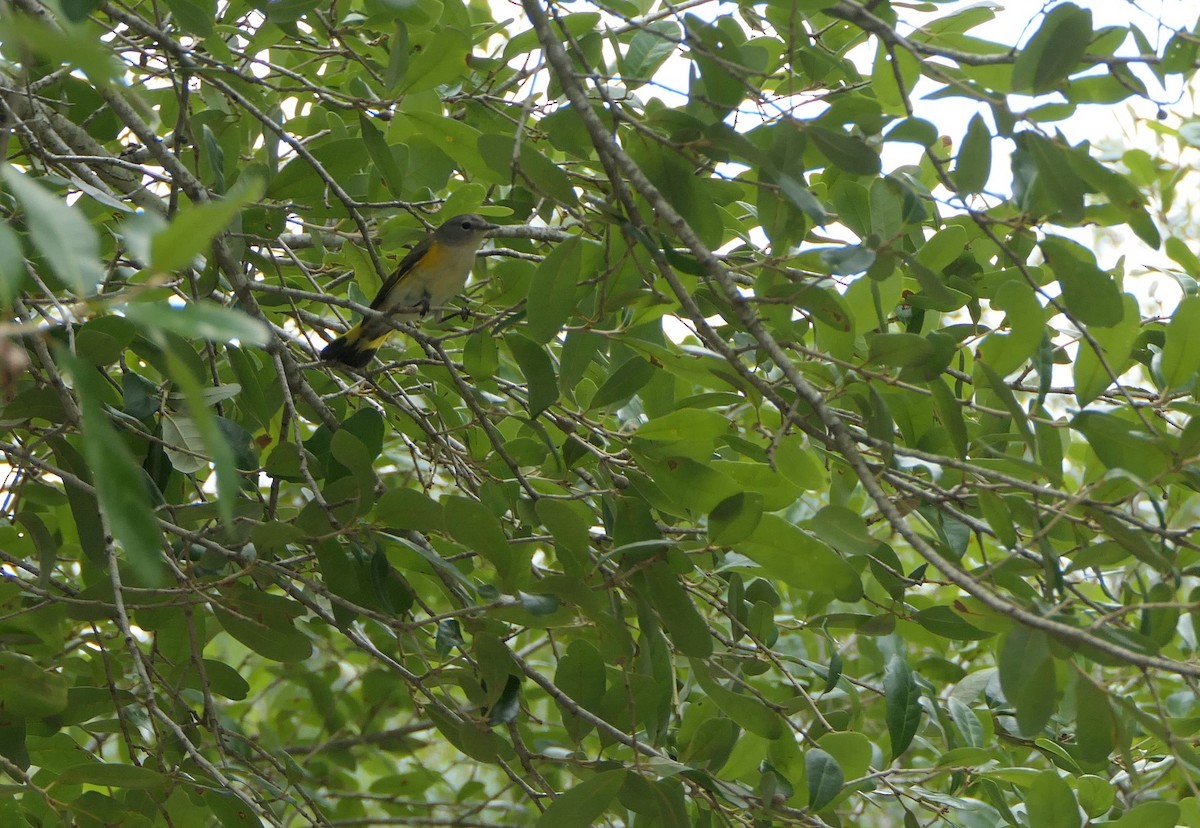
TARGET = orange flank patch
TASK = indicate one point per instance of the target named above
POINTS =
(432, 258)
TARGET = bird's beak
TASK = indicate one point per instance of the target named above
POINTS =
(491, 227)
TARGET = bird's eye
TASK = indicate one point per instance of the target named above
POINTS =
(466, 225)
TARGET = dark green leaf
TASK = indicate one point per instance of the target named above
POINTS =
(507, 707)
(623, 383)
(845, 151)
(535, 364)
(947, 623)
(1181, 352)
(1051, 803)
(551, 299)
(746, 710)
(28, 689)
(583, 804)
(61, 234)
(1090, 294)
(262, 622)
(194, 227)
(973, 166)
(824, 777)
(120, 484)
(199, 320)
(1055, 50)
(902, 698)
(196, 16)
(678, 613)
(735, 518)
(449, 636)
(112, 775)
(381, 156)
(1027, 678)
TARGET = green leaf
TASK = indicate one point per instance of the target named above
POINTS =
(409, 509)
(538, 605)
(569, 527)
(844, 530)
(623, 383)
(1154, 814)
(973, 166)
(845, 151)
(1054, 51)
(1096, 795)
(1181, 351)
(650, 46)
(1025, 319)
(572, 25)
(735, 518)
(120, 484)
(674, 433)
(1088, 293)
(535, 364)
(60, 233)
(508, 706)
(547, 177)
(1095, 724)
(551, 299)
(950, 414)
(112, 775)
(101, 341)
(1121, 444)
(824, 777)
(262, 622)
(438, 61)
(12, 265)
(381, 156)
(947, 623)
(712, 744)
(1051, 803)
(28, 689)
(746, 710)
(195, 16)
(787, 552)
(183, 444)
(1093, 377)
(1027, 678)
(848, 260)
(78, 10)
(214, 441)
(899, 349)
(398, 57)
(448, 637)
(1182, 255)
(195, 226)
(472, 525)
(902, 700)
(802, 198)
(199, 320)
(1057, 182)
(580, 674)
(913, 131)
(582, 805)
(678, 614)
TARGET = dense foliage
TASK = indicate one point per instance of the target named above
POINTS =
(798, 455)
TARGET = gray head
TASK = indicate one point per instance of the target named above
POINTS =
(467, 229)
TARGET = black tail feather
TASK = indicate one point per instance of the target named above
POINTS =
(348, 353)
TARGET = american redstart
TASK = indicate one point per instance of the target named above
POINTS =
(428, 277)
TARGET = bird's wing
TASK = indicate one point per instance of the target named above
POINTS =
(403, 269)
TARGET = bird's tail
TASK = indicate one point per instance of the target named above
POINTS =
(354, 348)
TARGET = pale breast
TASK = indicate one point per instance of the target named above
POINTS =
(438, 278)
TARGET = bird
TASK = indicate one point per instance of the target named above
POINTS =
(430, 275)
